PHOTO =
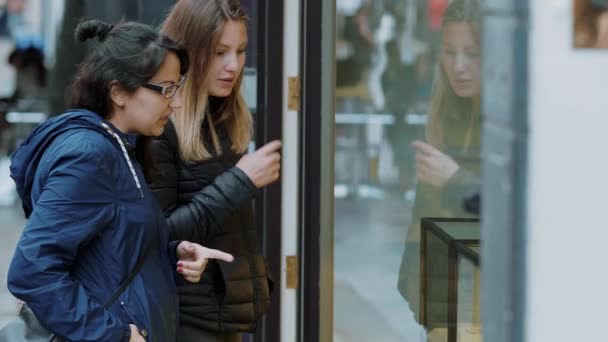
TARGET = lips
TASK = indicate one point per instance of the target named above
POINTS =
(165, 118)
(463, 83)
(227, 80)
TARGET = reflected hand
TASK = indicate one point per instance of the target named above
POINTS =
(433, 166)
(193, 259)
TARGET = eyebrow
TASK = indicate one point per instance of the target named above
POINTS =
(227, 46)
(166, 81)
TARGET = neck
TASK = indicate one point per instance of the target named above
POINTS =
(117, 122)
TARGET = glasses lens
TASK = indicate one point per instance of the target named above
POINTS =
(170, 91)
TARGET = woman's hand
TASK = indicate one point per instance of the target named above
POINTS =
(264, 165)
(135, 335)
(193, 259)
(433, 166)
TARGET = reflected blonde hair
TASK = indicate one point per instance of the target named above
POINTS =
(443, 99)
(198, 25)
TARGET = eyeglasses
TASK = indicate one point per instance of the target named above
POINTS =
(167, 91)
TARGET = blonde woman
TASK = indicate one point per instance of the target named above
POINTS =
(447, 164)
(202, 178)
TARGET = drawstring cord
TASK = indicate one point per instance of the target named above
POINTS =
(124, 151)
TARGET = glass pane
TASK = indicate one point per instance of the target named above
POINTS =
(408, 80)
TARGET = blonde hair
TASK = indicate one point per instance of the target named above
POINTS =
(197, 25)
(443, 99)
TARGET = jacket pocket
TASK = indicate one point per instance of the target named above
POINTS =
(237, 281)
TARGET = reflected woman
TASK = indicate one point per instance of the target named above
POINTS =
(447, 163)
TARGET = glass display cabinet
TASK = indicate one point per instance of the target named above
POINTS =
(450, 287)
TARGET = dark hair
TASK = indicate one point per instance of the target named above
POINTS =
(29, 58)
(129, 53)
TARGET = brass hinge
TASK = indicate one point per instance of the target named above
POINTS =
(293, 100)
(292, 272)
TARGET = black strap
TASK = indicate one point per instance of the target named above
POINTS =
(126, 282)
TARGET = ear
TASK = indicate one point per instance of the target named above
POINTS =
(118, 95)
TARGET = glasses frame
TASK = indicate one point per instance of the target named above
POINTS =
(163, 89)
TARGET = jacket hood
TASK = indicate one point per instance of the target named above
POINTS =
(25, 160)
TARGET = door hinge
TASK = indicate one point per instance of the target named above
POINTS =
(293, 100)
(293, 273)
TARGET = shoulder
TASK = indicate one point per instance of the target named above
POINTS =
(164, 147)
(169, 137)
(86, 146)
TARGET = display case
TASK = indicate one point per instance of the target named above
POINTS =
(450, 287)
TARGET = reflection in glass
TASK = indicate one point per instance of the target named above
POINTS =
(407, 146)
(447, 162)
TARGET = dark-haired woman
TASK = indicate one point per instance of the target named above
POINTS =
(91, 216)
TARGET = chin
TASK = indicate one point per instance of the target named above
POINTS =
(220, 92)
(465, 92)
(155, 132)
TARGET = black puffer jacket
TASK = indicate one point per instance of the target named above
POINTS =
(210, 202)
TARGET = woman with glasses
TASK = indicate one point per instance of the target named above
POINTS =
(94, 262)
(203, 181)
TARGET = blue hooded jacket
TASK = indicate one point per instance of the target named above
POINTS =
(88, 225)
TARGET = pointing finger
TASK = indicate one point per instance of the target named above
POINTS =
(218, 255)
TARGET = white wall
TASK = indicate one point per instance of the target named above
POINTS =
(568, 182)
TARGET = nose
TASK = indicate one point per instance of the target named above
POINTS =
(232, 62)
(176, 100)
(461, 62)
